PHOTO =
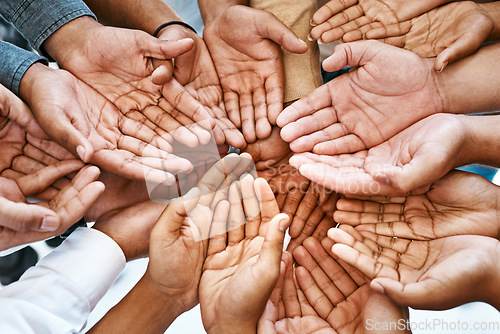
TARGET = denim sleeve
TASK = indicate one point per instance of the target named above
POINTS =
(15, 62)
(38, 19)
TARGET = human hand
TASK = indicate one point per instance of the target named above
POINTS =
(365, 107)
(450, 32)
(339, 294)
(348, 19)
(64, 209)
(459, 204)
(249, 262)
(435, 275)
(90, 127)
(408, 162)
(288, 310)
(245, 46)
(196, 72)
(133, 70)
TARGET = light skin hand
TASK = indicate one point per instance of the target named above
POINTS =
(249, 262)
(352, 112)
(458, 204)
(449, 32)
(338, 17)
(408, 162)
(121, 64)
(196, 72)
(245, 46)
(69, 205)
(90, 127)
(434, 275)
(345, 299)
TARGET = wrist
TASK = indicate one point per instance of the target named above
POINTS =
(164, 301)
(232, 327)
(210, 12)
(70, 38)
(29, 78)
(177, 32)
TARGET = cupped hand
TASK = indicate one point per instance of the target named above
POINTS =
(365, 107)
(408, 162)
(434, 275)
(339, 294)
(245, 47)
(459, 204)
(88, 125)
(449, 32)
(242, 257)
(350, 19)
(195, 70)
(22, 222)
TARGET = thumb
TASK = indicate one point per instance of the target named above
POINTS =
(24, 217)
(272, 28)
(176, 212)
(272, 248)
(464, 46)
(153, 47)
(71, 138)
(164, 69)
(415, 295)
(352, 54)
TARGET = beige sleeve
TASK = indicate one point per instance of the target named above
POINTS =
(302, 71)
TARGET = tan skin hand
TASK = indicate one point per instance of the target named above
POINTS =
(436, 274)
(458, 204)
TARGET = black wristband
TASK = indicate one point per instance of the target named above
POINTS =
(166, 24)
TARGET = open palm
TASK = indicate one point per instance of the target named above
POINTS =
(365, 107)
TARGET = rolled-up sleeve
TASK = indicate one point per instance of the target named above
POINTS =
(58, 294)
(38, 19)
(15, 62)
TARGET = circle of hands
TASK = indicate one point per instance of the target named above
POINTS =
(393, 240)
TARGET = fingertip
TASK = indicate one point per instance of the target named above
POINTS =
(162, 74)
(377, 287)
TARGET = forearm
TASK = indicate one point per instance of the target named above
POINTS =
(482, 143)
(471, 85)
(133, 14)
(493, 10)
(143, 310)
(211, 9)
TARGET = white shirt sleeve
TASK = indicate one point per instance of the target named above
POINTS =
(58, 294)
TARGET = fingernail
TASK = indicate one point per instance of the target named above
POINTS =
(320, 41)
(80, 150)
(309, 38)
(381, 177)
(49, 224)
(312, 23)
(185, 39)
(303, 42)
(377, 287)
(283, 224)
(443, 66)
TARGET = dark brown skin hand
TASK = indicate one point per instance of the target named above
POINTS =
(196, 72)
(340, 294)
(459, 204)
(433, 275)
(245, 47)
(450, 33)
(352, 112)
(339, 17)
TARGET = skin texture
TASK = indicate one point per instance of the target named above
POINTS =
(449, 32)
(436, 274)
(245, 47)
(458, 204)
(408, 162)
(351, 113)
(338, 17)
(130, 82)
(196, 72)
(341, 305)
(117, 143)
(69, 204)
(242, 259)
